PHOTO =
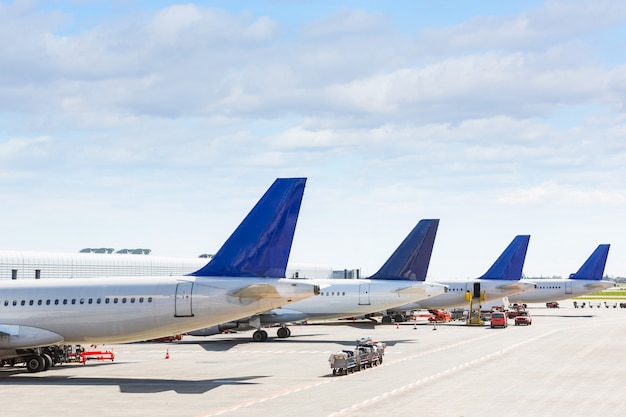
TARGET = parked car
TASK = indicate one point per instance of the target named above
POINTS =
(523, 317)
(499, 319)
(552, 304)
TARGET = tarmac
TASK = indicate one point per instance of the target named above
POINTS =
(567, 363)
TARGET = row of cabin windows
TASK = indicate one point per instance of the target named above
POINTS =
(329, 294)
(65, 301)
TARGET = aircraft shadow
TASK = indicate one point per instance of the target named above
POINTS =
(221, 346)
(127, 385)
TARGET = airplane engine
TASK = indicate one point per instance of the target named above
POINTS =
(23, 337)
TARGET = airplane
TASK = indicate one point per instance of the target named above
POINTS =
(244, 278)
(400, 280)
(586, 280)
(501, 280)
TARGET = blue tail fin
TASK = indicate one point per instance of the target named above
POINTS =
(260, 246)
(510, 264)
(593, 268)
(410, 261)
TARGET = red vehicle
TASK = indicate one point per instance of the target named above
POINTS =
(499, 319)
(523, 317)
(439, 316)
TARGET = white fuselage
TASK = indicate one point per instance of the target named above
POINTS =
(125, 309)
(560, 289)
(341, 298)
(456, 296)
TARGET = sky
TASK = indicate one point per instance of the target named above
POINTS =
(156, 124)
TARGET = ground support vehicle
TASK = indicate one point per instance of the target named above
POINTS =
(367, 354)
(523, 317)
(515, 309)
(499, 319)
(439, 316)
(552, 304)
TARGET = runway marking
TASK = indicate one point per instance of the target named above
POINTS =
(264, 399)
(287, 392)
(438, 375)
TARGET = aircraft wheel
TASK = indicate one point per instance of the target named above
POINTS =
(283, 332)
(259, 336)
(386, 319)
(48, 361)
(35, 364)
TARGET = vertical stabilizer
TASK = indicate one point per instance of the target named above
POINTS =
(510, 264)
(593, 268)
(411, 259)
(260, 246)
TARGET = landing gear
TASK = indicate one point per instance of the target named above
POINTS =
(398, 318)
(36, 363)
(283, 332)
(259, 336)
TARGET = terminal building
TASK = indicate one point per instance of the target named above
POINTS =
(105, 262)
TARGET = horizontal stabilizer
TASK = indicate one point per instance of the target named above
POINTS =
(514, 286)
(411, 290)
(510, 264)
(257, 291)
(260, 246)
(411, 259)
(593, 268)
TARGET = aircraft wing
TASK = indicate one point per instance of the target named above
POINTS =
(9, 329)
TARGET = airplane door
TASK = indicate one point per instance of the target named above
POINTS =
(568, 287)
(476, 292)
(182, 307)
(364, 294)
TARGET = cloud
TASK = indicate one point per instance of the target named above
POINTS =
(492, 121)
(553, 194)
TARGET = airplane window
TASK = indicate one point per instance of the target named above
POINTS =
(82, 301)
(124, 300)
(344, 293)
(65, 301)
(39, 302)
(149, 299)
(31, 302)
(115, 300)
(90, 301)
(56, 302)
(73, 300)
(6, 303)
(47, 302)
(106, 300)
(141, 299)
(132, 299)
(14, 302)
(98, 301)
(23, 302)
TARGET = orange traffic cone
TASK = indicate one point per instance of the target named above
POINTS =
(167, 354)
